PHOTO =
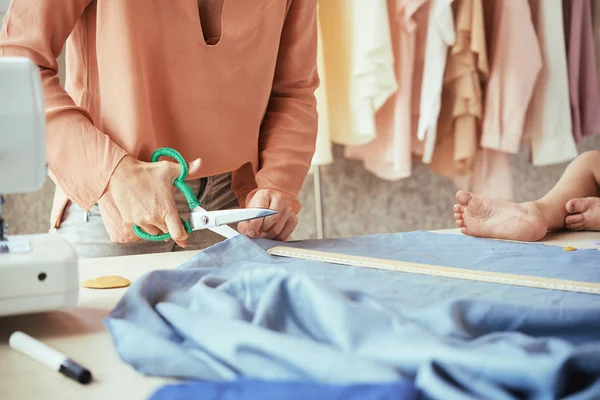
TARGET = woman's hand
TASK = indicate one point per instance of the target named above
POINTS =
(142, 194)
(278, 226)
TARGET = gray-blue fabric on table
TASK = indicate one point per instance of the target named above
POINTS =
(233, 310)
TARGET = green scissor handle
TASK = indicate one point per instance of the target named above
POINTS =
(180, 184)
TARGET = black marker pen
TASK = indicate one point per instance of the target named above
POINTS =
(49, 357)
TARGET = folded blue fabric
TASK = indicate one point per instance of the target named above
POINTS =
(235, 311)
(249, 389)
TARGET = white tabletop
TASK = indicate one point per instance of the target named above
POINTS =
(80, 334)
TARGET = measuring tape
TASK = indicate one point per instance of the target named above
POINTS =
(434, 270)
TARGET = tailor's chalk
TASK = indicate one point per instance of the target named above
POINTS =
(49, 357)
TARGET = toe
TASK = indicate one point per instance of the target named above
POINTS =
(464, 231)
(577, 205)
(458, 216)
(575, 222)
(574, 219)
(463, 197)
(576, 226)
(460, 223)
(459, 208)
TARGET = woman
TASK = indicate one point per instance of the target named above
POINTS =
(229, 84)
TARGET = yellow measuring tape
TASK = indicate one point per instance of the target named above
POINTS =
(434, 270)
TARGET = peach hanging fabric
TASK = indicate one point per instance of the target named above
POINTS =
(515, 64)
(359, 63)
(389, 155)
(462, 105)
(581, 64)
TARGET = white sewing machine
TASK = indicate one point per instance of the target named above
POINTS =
(37, 272)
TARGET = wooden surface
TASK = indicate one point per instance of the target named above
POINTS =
(79, 333)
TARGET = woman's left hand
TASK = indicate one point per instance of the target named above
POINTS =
(278, 226)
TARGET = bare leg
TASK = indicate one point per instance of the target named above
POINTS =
(580, 180)
(573, 203)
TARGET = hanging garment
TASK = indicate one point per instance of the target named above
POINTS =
(549, 124)
(462, 103)
(233, 311)
(359, 63)
(515, 63)
(440, 35)
(596, 25)
(389, 155)
(581, 65)
(323, 153)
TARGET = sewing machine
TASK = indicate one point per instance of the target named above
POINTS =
(37, 272)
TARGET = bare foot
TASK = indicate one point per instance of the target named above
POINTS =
(497, 219)
(584, 214)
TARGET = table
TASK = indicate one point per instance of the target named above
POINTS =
(80, 334)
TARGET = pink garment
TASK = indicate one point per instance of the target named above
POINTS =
(389, 154)
(515, 63)
(581, 64)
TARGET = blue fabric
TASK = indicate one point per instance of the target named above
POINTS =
(249, 389)
(234, 311)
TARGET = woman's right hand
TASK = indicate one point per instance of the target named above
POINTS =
(142, 194)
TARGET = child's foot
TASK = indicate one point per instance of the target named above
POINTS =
(584, 214)
(497, 219)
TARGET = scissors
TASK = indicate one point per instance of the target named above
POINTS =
(216, 221)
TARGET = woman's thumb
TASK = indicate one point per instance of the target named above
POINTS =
(194, 167)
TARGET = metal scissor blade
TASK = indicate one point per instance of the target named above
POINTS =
(200, 219)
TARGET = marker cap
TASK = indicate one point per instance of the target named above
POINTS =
(75, 371)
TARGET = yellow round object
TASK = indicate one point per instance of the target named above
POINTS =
(569, 248)
(106, 282)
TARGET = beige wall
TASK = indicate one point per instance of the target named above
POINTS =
(4, 6)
